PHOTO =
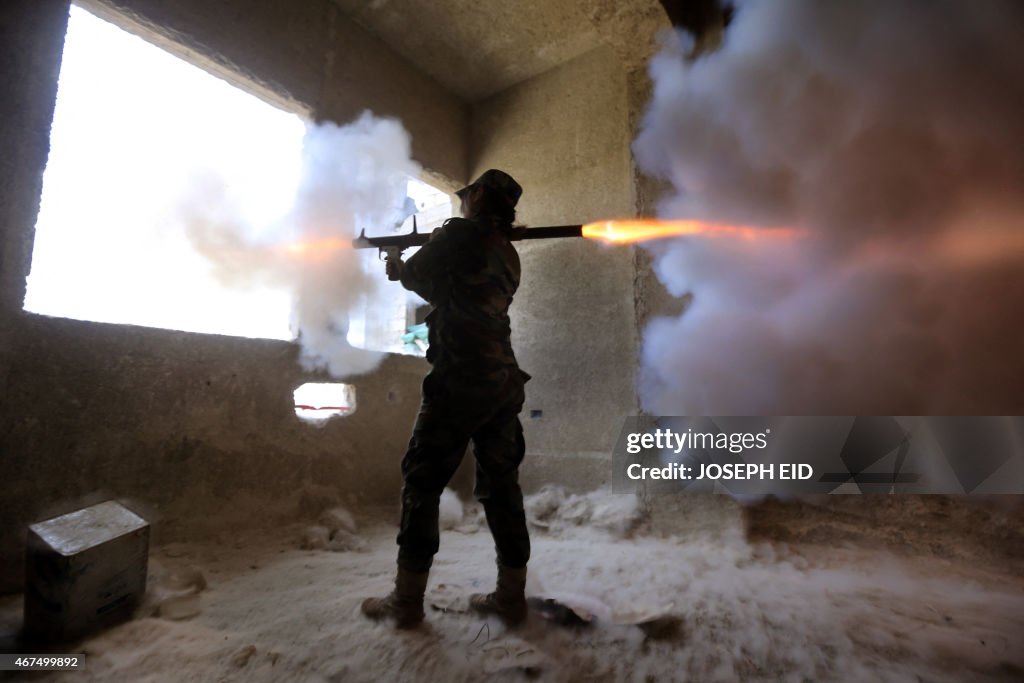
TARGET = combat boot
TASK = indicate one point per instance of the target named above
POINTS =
(404, 604)
(508, 601)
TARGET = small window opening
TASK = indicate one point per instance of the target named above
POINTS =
(319, 402)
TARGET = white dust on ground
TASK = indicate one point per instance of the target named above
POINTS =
(272, 611)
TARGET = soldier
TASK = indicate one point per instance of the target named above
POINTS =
(469, 272)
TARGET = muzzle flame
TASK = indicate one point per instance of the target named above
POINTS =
(640, 230)
(319, 247)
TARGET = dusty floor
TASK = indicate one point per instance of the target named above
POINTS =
(274, 612)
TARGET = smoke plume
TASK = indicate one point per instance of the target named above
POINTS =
(890, 132)
(352, 176)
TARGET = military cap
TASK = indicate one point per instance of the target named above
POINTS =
(500, 182)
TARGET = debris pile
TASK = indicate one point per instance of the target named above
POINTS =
(553, 509)
(335, 530)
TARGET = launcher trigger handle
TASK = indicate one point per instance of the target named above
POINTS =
(392, 261)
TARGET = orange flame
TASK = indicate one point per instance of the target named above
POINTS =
(640, 229)
(317, 247)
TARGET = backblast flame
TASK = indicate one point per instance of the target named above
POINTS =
(641, 229)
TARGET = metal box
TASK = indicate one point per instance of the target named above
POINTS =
(84, 571)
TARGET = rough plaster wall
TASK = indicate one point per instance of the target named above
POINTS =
(564, 136)
(31, 41)
(477, 49)
(90, 410)
(634, 32)
(198, 432)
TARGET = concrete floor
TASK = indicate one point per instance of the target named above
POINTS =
(748, 611)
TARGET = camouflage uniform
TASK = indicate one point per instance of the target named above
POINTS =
(469, 271)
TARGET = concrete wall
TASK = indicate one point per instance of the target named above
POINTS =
(31, 40)
(198, 432)
(191, 427)
(564, 136)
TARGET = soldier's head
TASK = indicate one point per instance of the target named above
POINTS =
(492, 196)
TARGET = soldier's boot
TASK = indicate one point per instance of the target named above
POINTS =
(404, 604)
(508, 601)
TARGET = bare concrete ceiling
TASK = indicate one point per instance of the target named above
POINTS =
(476, 48)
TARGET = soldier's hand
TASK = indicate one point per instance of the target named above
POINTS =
(393, 267)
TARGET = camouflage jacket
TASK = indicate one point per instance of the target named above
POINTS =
(469, 271)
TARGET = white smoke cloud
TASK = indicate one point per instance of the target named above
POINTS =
(891, 133)
(352, 176)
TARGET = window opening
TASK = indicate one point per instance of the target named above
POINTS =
(319, 402)
(131, 124)
(393, 321)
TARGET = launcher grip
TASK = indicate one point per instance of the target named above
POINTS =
(392, 255)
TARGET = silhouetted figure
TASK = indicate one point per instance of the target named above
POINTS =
(469, 271)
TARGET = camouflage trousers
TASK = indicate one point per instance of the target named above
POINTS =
(455, 410)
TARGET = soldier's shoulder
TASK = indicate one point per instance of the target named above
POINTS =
(457, 226)
(459, 231)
